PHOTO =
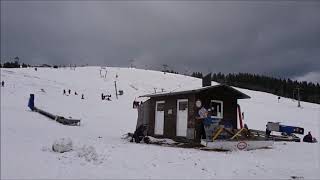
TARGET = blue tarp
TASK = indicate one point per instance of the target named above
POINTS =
(291, 129)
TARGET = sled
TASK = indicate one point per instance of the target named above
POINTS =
(241, 139)
(231, 145)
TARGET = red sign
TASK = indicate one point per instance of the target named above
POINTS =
(242, 145)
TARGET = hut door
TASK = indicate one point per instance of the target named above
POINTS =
(182, 117)
(159, 119)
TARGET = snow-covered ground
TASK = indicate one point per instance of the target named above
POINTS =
(99, 151)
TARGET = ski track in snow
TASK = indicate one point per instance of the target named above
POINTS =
(100, 153)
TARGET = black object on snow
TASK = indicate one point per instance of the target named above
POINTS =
(138, 135)
(60, 119)
(308, 138)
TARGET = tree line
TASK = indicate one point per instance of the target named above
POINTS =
(309, 92)
(16, 64)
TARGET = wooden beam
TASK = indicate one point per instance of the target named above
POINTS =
(217, 134)
(238, 133)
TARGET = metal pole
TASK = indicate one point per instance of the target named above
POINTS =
(115, 86)
(293, 94)
(299, 97)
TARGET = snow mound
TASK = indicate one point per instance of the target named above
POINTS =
(62, 145)
(89, 153)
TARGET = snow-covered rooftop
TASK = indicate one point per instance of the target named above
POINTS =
(196, 90)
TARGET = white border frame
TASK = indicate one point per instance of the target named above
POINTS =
(218, 101)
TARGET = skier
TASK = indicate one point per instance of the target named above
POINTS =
(75, 93)
(102, 96)
(64, 92)
(82, 97)
(69, 91)
(2, 83)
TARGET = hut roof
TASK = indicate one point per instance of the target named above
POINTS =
(240, 95)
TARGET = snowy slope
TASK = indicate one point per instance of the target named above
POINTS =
(26, 137)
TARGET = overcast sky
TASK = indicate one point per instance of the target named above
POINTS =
(280, 39)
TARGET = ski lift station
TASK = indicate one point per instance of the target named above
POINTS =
(174, 115)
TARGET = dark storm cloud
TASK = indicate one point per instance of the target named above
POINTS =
(274, 38)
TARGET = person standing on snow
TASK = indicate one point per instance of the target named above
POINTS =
(2, 83)
(308, 138)
(268, 132)
(200, 116)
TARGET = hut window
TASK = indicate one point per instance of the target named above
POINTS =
(160, 107)
(216, 108)
(183, 105)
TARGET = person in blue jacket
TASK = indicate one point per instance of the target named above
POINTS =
(207, 123)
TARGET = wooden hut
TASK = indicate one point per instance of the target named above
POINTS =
(173, 115)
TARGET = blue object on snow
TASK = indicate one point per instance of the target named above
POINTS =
(31, 102)
(291, 129)
(226, 123)
(209, 120)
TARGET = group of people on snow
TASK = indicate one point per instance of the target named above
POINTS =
(105, 97)
(136, 104)
(69, 92)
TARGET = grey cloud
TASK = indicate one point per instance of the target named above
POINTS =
(274, 38)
